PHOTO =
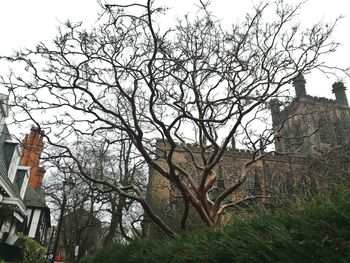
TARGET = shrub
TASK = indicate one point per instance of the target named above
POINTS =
(318, 231)
(32, 252)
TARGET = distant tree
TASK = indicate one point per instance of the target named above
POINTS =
(195, 82)
(118, 164)
(79, 215)
(81, 228)
(121, 218)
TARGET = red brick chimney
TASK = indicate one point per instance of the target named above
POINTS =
(32, 146)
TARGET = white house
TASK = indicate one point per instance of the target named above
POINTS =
(22, 209)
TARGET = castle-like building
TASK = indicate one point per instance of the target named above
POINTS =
(311, 123)
(304, 129)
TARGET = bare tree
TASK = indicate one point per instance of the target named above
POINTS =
(116, 164)
(78, 213)
(196, 82)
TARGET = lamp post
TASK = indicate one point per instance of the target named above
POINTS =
(68, 183)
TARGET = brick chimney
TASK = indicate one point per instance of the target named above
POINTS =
(32, 146)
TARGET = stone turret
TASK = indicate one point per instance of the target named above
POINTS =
(340, 96)
(32, 146)
(233, 142)
(299, 86)
(4, 111)
(275, 110)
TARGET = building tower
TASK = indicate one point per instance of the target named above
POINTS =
(309, 124)
(340, 95)
(299, 86)
(32, 146)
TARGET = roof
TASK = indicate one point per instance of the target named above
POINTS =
(35, 198)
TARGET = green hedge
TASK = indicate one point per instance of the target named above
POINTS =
(32, 251)
(318, 231)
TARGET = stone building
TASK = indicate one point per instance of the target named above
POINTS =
(303, 129)
(312, 123)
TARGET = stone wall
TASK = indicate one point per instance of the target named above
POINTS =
(306, 130)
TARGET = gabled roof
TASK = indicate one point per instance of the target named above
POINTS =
(35, 198)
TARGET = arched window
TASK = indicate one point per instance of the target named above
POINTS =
(220, 178)
(341, 130)
(326, 131)
(279, 184)
(252, 183)
(190, 169)
(296, 138)
(303, 186)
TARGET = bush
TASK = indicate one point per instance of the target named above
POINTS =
(86, 259)
(318, 231)
(32, 252)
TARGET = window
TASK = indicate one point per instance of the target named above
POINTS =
(252, 183)
(340, 132)
(14, 165)
(279, 184)
(303, 186)
(296, 139)
(24, 184)
(326, 131)
(220, 180)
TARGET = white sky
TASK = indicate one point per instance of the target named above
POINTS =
(23, 23)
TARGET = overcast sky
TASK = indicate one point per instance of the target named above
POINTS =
(23, 23)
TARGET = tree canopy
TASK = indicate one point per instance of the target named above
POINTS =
(197, 82)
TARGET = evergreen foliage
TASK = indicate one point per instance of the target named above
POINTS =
(32, 251)
(317, 231)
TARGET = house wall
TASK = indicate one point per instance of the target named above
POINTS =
(34, 222)
(14, 188)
